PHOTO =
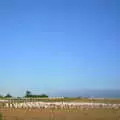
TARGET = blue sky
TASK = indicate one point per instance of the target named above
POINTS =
(59, 45)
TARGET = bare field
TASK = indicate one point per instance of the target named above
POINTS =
(65, 114)
(85, 113)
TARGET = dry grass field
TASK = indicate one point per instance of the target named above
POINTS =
(64, 114)
(53, 114)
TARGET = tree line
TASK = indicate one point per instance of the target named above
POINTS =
(28, 94)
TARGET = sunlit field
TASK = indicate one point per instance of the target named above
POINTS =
(65, 113)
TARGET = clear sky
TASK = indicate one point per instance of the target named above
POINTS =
(59, 45)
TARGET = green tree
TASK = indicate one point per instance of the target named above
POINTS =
(8, 95)
(1, 96)
(28, 93)
(43, 95)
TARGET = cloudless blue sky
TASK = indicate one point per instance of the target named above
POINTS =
(59, 45)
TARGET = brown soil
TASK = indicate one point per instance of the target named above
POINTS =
(50, 114)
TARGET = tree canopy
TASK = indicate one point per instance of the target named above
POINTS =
(29, 94)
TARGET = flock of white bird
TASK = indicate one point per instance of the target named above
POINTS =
(61, 105)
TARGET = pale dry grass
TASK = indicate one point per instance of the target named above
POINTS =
(61, 114)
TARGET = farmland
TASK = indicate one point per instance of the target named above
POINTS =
(53, 114)
(89, 109)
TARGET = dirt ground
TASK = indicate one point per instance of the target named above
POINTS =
(52, 114)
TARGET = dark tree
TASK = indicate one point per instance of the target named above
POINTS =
(8, 95)
(43, 95)
(28, 94)
(1, 96)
